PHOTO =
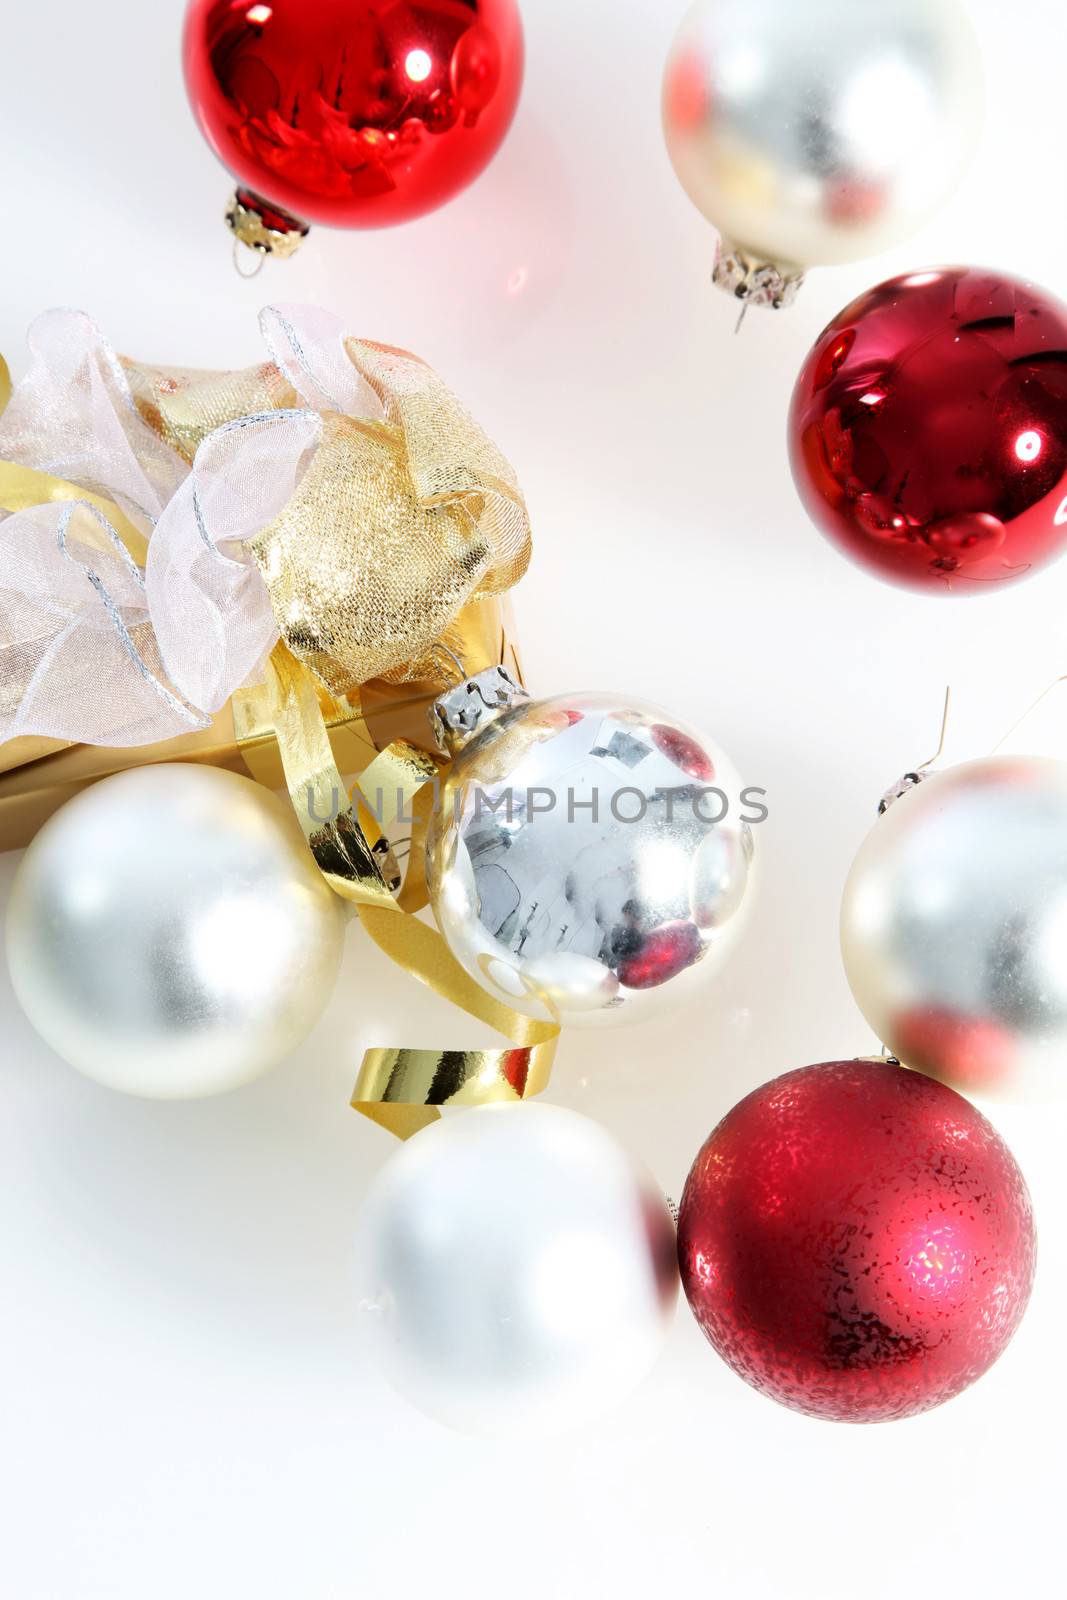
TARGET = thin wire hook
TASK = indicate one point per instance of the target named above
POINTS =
(939, 752)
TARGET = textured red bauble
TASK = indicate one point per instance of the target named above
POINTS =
(928, 430)
(356, 113)
(856, 1241)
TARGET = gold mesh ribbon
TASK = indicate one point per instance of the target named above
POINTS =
(183, 404)
(400, 520)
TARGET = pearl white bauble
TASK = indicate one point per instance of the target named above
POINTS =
(169, 934)
(954, 927)
(819, 131)
(518, 1270)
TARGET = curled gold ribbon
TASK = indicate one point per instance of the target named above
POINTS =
(331, 824)
(393, 1081)
(400, 1088)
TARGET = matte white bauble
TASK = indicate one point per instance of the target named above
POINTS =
(518, 1269)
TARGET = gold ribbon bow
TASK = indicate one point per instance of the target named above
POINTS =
(399, 522)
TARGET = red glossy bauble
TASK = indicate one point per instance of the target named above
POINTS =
(929, 430)
(856, 1241)
(355, 113)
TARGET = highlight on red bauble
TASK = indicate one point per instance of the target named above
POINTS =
(857, 1241)
(928, 430)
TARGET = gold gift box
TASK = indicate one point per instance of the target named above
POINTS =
(37, 776)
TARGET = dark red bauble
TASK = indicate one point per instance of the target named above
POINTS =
(856, 1241)
(928, 430)
(355, 113)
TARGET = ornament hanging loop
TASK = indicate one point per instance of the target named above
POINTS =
(241, 253)
(452, 663)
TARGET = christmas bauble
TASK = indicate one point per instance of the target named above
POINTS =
(350, 112)
(954, 927)
(856, 1241)
(929, 430)
(589, 856)
(169, 934)
(517, 1269)
(821, 132)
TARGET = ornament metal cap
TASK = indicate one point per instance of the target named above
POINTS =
(898, 790)
(262, 227)
(755, 281)
(460, 714)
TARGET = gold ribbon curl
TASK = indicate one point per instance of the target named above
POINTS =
(402, 1089)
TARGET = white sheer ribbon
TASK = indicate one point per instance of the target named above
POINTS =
(91, 648)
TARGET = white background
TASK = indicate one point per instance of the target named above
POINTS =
(183, 1407)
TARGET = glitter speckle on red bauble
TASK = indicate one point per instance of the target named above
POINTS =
(928, 430)
(857, 1241)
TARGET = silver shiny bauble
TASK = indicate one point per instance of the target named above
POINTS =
(579, 862)
(169, 934)
(518, 1271)
(819, 131)
(954, 927)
